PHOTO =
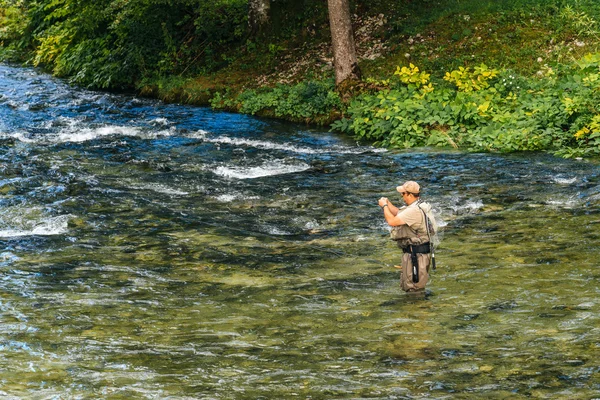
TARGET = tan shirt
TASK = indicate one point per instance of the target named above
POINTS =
(413, 217)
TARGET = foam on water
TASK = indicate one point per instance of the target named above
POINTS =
(230, 197)
(473, 205)
(156, 187)
(73, 131)
(460, 208)
(564, 181)
(268, 145)
(45, 227)
(21, 136)
(87, 134)
(276, 168)
(567, 203)
(275, 230)
(160, 121)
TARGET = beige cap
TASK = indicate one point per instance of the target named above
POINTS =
(410, 187)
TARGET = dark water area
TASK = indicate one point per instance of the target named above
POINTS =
(156, 251)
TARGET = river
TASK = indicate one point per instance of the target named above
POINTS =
(156, 251)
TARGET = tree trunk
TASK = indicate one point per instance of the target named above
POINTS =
(342, 38)
(258, 15)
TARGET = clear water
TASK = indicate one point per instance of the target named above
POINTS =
(154, 251)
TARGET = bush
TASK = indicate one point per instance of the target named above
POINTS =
(114, 44)
(486, 110)
(311, 101)
(13, 23)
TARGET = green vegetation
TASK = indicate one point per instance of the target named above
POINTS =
(118, 44)
(310, 101)
(487, 110)
(519, 75)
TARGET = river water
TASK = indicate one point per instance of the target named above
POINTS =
(155, 251)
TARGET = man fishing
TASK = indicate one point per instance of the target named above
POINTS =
(412, 228)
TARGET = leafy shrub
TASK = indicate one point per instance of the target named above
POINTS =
(310, 101)
(13, 22)
(487, 110)
(116, 43)
(468, 81)
(412, 76)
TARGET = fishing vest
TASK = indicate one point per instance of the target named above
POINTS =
(405, 236)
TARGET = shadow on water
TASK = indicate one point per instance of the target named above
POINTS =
(409, 298)
(166, 251)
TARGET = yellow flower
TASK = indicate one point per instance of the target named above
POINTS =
(482, 109)
(582, 132)
(427, 88)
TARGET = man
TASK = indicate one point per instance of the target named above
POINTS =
(412, 228)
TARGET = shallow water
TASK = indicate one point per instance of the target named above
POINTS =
(159, 251)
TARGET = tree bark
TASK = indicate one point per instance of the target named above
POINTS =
(342, 39)
(258, 15)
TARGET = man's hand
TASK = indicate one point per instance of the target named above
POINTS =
(383, 201)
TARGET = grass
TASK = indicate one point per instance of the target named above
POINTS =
(437, 35)
(509, 35)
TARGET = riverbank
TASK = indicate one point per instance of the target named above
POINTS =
(479, 76)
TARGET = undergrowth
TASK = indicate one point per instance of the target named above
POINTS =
(485, 109)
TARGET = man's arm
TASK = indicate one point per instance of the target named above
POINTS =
(390, 212)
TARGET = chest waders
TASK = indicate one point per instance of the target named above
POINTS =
(414, 250)
(413, 242)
